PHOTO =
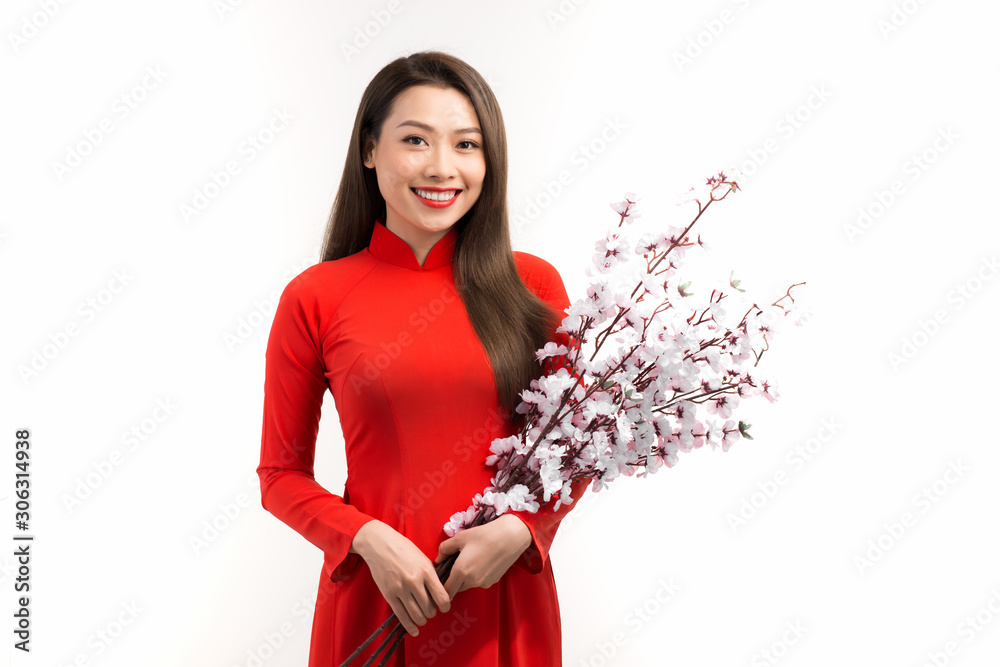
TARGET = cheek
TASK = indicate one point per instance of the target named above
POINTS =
(478, 173)
(407, 166)
(399, 173)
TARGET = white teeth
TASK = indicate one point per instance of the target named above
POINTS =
(437, 196)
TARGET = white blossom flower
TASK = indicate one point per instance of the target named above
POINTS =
(769, 390)
(598, 295)
(719, 313)
(732, 434)
(713, 355)
(594, 407)
(714, 434)
(550, 350)
(520, 500)
(459, 521)
(723, 405)
(692, 437)
(550, 472)
(628, 207)
(501, 446)
(624, 427)
(602, 264)
(651, 243)
(663, 381)
(653, 287)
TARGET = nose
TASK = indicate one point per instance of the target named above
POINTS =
(440, 164)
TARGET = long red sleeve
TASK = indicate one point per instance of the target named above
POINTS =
(544, 523)
(294, 385)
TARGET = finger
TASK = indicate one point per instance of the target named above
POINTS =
(415, 613)
(404, 617)
(453, 585)
(424, 599)
(439, 594)
(445, 549)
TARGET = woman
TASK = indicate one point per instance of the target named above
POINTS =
(422, 323)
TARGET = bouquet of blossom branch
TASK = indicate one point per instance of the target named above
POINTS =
(631, 411)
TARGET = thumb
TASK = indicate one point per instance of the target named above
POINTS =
(447, 548)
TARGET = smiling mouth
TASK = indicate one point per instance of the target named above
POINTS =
(436, 195)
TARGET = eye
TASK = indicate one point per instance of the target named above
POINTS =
(413, 136)
(471, 144)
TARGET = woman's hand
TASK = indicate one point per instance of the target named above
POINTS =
(487, 551)
(404, 575)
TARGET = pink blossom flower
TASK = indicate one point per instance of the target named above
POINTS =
(723, 405)
(769, 390)
(550, 350)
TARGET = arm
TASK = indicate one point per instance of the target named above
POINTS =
(294, 385)
(548, 285)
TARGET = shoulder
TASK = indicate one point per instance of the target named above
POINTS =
(534, 269)
(320, 288)
(540, 276)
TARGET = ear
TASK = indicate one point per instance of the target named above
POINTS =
(366, 154)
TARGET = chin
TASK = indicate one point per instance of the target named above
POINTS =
(438, 223)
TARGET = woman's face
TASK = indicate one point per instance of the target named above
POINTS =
(429, 160)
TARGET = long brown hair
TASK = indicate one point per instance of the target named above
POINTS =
(510, 321)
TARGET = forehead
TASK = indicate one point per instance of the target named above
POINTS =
(439, 107)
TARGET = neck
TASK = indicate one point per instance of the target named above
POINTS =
(420, 241)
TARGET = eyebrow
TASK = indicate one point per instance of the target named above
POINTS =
(428, 128)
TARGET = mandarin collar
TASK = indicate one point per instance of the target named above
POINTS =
(390, 248)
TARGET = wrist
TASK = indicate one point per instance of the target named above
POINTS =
(360, 543)
(522, 530)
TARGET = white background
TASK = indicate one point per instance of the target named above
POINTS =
(821, 106)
